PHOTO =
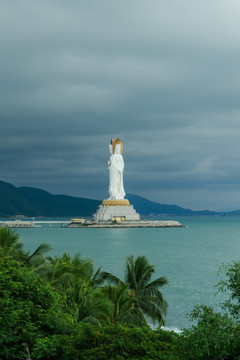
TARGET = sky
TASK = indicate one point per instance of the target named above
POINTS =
(162, 75)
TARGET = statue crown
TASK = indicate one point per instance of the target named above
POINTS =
(115, 142)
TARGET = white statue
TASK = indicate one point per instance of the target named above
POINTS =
(116, 166)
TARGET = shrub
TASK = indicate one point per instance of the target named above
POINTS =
(112, 342)
(215, 337)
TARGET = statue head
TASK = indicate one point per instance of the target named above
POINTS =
(115, 142)
(118, 149)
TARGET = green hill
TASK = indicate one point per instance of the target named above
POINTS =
(147, 207)
(34, 202)
(30, 201)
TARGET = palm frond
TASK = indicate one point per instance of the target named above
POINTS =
(8, 238)
(157, 282)
(112, 279)
(42, 249)
(153, 311)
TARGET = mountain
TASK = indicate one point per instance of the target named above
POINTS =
(147, 207)
(35, 202)
(30, 201)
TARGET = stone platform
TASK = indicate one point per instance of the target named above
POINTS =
(116, 210)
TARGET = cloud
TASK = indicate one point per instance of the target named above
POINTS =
(162, 76)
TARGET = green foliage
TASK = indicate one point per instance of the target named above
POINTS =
(115, 342)
(147, 297)
(64, 270)
(93, 302)
(231, 285)
(11, 245)
(37, 258)
(58, 308)
(75, 277)
(9, 241)
(90, 304)
(215, 337)
(29, 309)
(123, 307)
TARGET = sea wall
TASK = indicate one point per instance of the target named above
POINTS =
(125, 224)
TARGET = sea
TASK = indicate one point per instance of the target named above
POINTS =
(189, 257)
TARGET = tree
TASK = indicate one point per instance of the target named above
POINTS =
(75, 277)
(118, 342)
(214, 337)
(89, 303)
(63, 271)
(123, 309)
(9, 241)
(148, 298)
(37, 258)
(10, 244)
(231, 285)
(29, 309)
(37, 322)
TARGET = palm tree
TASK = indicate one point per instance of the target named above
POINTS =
(123, 309)
(90, 304)
(138, 274)
(149, 299)
(63, 271)
(37, 258)
(9, 242)
(76, 278)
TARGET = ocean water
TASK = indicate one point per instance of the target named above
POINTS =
(189, 257)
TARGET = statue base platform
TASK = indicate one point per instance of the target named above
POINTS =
(116, 210)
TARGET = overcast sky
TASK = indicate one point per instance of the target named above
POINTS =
(162, 75)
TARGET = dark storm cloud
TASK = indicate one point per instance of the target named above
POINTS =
(162, 76)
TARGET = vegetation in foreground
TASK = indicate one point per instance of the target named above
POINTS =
(59, 308)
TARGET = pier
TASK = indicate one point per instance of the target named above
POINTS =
(89, 224)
